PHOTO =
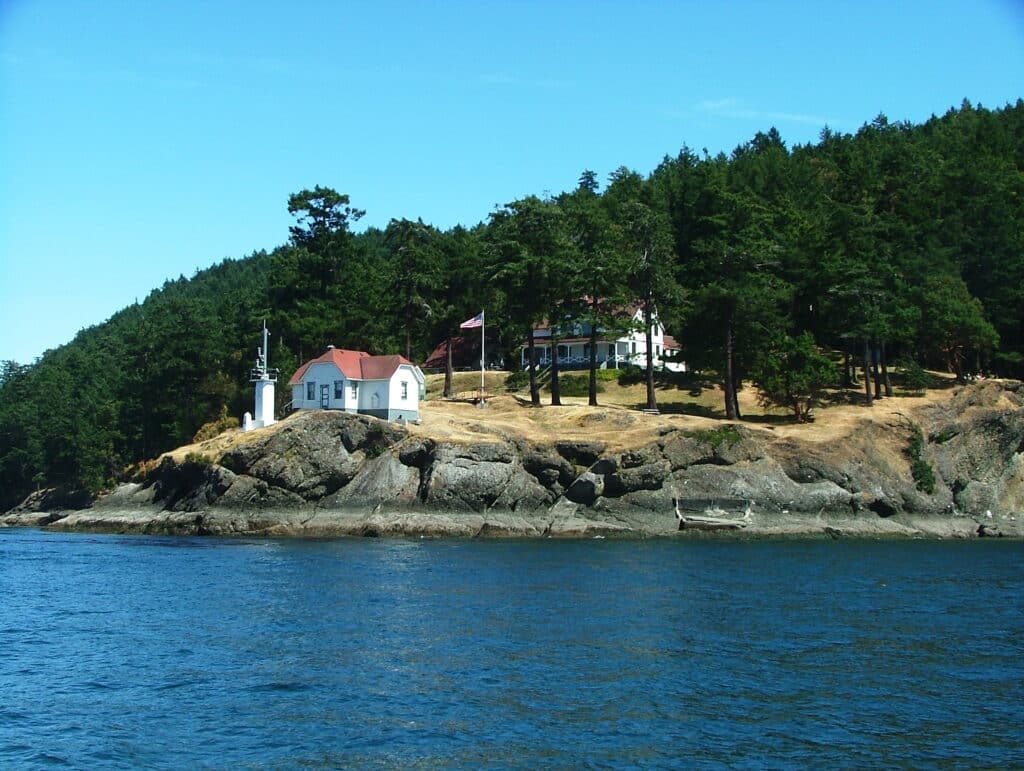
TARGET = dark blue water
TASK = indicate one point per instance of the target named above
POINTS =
(181, 652)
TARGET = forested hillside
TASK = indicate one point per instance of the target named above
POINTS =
(899, 242)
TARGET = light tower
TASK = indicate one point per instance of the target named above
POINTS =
(264, 378)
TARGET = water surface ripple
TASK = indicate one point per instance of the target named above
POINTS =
(197, 652)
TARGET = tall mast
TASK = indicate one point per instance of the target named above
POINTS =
(264, 378)
(265, 357)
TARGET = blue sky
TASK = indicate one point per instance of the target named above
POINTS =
(140, 141)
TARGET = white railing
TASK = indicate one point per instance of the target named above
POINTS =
(581, 362)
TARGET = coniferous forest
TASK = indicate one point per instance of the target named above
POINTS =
(897, 244)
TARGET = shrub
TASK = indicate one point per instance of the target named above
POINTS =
(631, 376)
(791, 372)
(577, 385)
(920, 469)
(198, 459)
(717, 437)
(224, 422)
(915, 379)
(517, 380)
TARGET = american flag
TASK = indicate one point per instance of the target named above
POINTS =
(473, 323)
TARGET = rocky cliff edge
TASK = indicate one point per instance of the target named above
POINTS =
(329, 473)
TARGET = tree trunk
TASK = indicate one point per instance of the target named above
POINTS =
(847, 370)
(592, 382)
(532, 353)
(652, 402)
(956, 365)
(448, 368)
(884, 364)
(867, 372)
(408, 340)
(556, 391)
(876, 371)
(737, 386)
(730, 383)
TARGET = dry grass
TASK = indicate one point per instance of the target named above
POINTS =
(618, 422)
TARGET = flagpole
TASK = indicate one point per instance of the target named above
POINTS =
(482, 359)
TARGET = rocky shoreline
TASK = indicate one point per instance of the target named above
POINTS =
(326, 474)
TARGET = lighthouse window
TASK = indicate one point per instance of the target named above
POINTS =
(310, 391)
(339, 389)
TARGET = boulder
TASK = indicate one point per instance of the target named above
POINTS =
(650, 476)
(586, 489)
(478, 476)
(580, 453)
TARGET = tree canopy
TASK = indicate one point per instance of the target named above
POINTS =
(896, 241)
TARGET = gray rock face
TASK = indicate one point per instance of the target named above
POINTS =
(315, 457)
(587, 488)
(978, 449)
(580, 453)
(329, 473)
(478, 477)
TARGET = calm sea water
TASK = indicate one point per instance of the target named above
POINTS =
(183, 652)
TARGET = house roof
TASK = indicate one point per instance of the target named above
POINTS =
(461, 352)
(381, 367)
(627, 311)
(354, 365)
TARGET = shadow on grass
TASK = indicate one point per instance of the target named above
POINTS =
(773, 420)
(841, 397)
(684, 408)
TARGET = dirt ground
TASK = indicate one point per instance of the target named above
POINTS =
(621, 424)
(618, 421)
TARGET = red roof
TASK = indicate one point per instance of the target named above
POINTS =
(381, 367)
(354, 365)
(460, 353)
(670, 342)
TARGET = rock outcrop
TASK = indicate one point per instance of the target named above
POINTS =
(330, 473)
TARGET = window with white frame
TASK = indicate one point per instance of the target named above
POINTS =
(339, 389)
(310, 391)
(355, 390)
(405, 390)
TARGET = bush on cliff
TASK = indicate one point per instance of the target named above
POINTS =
(792, 372)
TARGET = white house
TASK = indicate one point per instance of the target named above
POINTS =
(388, 387)
(628, 348)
